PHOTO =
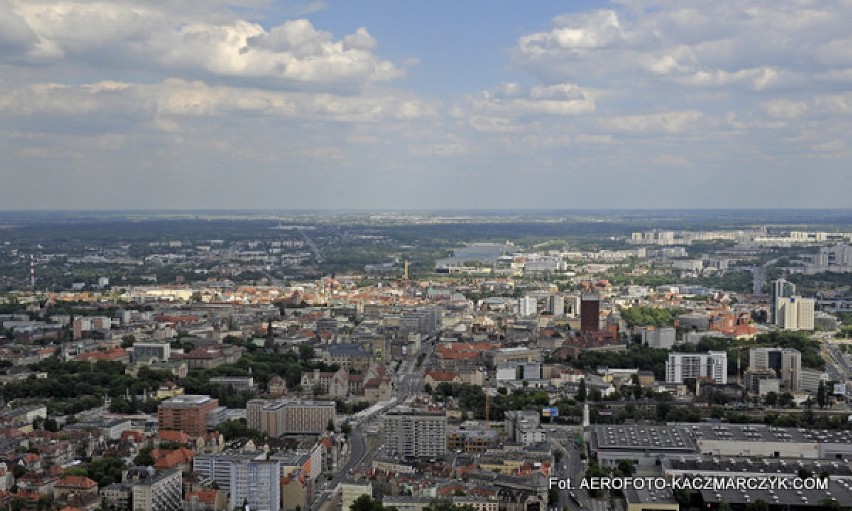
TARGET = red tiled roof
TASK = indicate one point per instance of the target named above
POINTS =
(174, 436)
(204, 496)
(76, 482)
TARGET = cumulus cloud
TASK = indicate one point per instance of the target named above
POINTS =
(575, 34)
(145, 38)
(706, 43)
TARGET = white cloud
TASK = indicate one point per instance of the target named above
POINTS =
(670, 123)
(173, 99)
(784, 108)
(575, 34)
(146, 38)
(705, 43)
(499, 108)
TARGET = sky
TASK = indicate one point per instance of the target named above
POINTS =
(439, 104)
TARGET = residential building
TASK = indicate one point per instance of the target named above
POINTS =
(187, 413)
(162, 492)
(280, 417)
(524, 427)
(662, 338)
(682, 366)
(527, 306)
(415, 433)
(256, 484)
(217, 467)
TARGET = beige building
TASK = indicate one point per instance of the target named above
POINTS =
(280, 417)
(350, 491)
(795, 313)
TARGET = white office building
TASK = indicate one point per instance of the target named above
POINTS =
(527, 306)
(786, 362)
(256, 484)
(795, 313)
(682, 366)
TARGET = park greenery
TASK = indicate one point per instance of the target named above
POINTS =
(471, 399)
(75, 386)
(650, 316)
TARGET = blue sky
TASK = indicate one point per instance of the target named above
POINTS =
(442, 104)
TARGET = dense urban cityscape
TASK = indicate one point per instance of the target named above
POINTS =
(493, 362)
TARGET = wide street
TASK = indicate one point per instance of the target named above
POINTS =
(408, 382)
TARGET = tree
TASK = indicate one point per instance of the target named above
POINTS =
(18, 504)
(822, 395)
(306, 352)
(144, 458)
(682, 497)
(447, 505)
(637, 387)
(317, 390)
(624, 469)
(595, 395)
(367, 503)
(581, 391)
(330, 426)
(346, 428)
(771, 399)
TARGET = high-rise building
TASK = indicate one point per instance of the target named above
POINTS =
(415, 432)
(281, 417)
(662, 338)
(187, 413)
(795, 313)
(217, 467)
(556, 305)
(682, 366)
(590, 312)
(527, 306)
(162, 492)
(786, 362)
(256, 484)
(779, 289)
(572, 305)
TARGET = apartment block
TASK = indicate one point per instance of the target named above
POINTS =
(682, 366)
(415, 432)
(280, 417)
(187, 413)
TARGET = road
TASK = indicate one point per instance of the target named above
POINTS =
(313, 246)
(357, 451)
(408, 382)
(759, 277)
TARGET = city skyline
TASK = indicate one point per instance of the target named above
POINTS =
(253, 104)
